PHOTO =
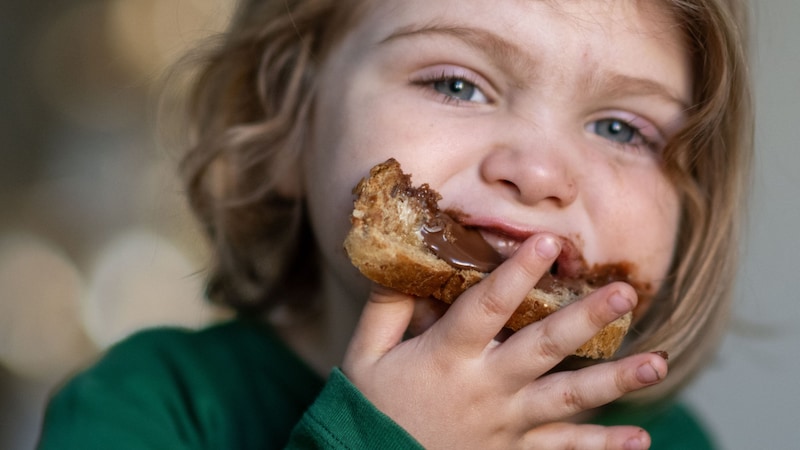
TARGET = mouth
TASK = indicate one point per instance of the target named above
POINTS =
(568, 264)
(482, 245)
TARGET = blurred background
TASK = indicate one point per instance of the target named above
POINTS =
(96, 242)
(95, 238)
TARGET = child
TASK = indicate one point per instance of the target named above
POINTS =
(619, 129)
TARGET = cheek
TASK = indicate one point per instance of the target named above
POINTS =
(329, 202)
(658, 229)
(658, 236)
(344, 145)
(643, 227)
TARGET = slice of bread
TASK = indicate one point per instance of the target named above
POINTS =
(386, 244)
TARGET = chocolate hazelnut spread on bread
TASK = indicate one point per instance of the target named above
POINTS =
(400, 239)
(459, 246)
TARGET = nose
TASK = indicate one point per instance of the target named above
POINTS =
(536, 172)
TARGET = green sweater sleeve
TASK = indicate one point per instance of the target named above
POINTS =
(342, 417)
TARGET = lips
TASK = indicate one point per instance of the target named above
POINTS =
(506, 239)
(568, 264)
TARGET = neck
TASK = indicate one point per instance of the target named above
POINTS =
(321, 338)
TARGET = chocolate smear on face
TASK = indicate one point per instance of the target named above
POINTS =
(465, 248)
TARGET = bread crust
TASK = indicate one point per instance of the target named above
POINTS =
(386, 244)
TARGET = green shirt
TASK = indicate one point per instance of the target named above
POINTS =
(237, 386)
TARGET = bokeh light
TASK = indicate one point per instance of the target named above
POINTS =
(141, 279)
(96, 240)
(40, 325)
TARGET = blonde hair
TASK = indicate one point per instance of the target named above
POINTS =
(710, 163)
(252, 102)
(248, 112)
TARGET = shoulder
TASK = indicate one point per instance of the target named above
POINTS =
(170, 384)
(225, 361)
(228, 349)
(161, 341)
(176, 355)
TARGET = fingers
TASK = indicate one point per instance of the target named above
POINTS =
(426, 312)
(547, 342)
(480, 313)
(589, 437)
(572, 392)
(383, 321)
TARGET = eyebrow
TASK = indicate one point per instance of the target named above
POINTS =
(503, 52)
(618, 84)
(508, 55)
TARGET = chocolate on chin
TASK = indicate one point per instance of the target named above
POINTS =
(401, 239)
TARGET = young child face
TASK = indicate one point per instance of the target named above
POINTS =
(527, 116)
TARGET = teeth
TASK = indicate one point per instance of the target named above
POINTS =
(503, 245)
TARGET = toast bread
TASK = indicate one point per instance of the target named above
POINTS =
(386, 244)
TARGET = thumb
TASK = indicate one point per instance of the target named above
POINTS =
(383, 322)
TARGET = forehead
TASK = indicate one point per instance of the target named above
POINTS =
(648, 18)
(639, 38)
(657, 10)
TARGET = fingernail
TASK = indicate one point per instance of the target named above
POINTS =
(664, 355)
(637, 443)
(620, 304)
(547, 247)
(647, 374)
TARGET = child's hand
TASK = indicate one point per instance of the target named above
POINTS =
(454, 386)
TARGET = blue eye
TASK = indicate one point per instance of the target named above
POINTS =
(460, 89)
(454, 85)
(616, 130)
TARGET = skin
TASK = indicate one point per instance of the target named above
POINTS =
(542, 122)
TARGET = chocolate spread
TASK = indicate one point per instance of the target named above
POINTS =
(459, 246)
(465, 248)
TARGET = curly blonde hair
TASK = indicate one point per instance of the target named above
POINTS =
(252, 102)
